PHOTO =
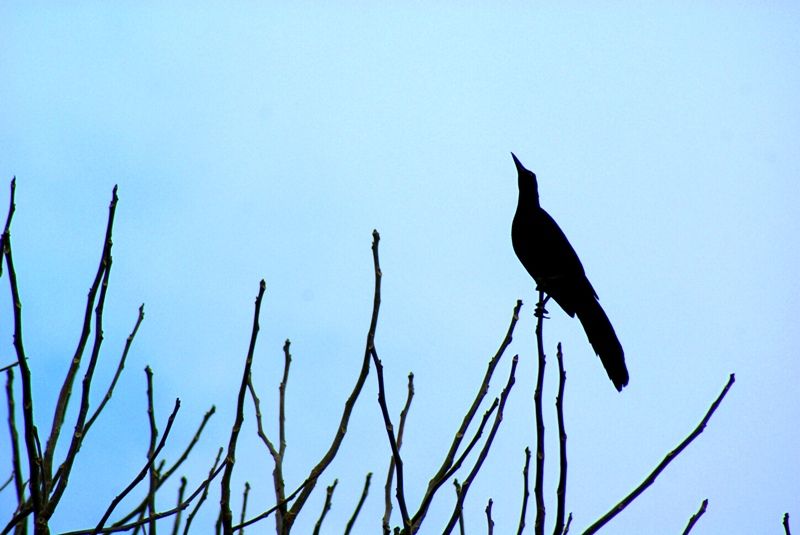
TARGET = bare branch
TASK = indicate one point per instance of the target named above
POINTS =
(326, 507)
(16, 462)
(489, 521)
(561, 490)
(485, 450)
(214, 470)
(225, 501)
(387, 513)
(316, 472)
(165, 475)
(387, 420)
(457, 485)
(151, 448)
(244, 503)
(117, 374)
(695, 517)
(203, 487)
(141, 473)
(786, 528)
(31, 434)
(181, 490)
(66, 387)
(538, 487)
(663, 464)
(525, 492)
(441, 475)
(361, 501)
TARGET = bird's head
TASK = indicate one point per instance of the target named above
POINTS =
(528, 187)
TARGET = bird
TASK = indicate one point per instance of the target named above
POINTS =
(545, 252)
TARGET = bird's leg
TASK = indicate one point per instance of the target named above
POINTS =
(540, 311)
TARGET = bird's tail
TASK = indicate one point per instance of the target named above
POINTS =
(604, 341)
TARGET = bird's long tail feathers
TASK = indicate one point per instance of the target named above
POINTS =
(604, 341)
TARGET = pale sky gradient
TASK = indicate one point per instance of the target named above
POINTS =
(268, 141)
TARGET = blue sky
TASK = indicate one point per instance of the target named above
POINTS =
(265, 140)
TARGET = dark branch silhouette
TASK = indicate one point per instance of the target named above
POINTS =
(547, 255)
(663, 464)
(695, 517)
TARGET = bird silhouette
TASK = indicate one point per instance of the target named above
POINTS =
(547, 255)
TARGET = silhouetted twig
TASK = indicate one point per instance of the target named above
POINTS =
(341, 429)
(181, 490)
(38, 495)
(214, 470)
(786, 528)
(695, 517)
(525, 491)
(663, 464)
(465, 486)
(203, 487)
(66, 387)
(16, 462)
(361, 500)
(489, 521)
(457, 485)
(566, 527)
(244, 503)
(442, 474)
(226, 514)
(142, 472)
(326, 507)
(118, 372)
(387, 513)
(387, 420)
(538, 487)
(561, 490)
(153, 479)
(165, 475)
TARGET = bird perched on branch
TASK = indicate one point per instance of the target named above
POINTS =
(546, 253)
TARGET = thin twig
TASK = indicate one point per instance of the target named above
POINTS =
(66, 387)
(193, 513)
(326, 507)
(525, 491)
(695, 517)
(16, 462)
(786, 528)
(153, 479)
(478, 433)
(538, 487)
(244, 503)
(143, 471)
(60, 481)
(177, 525)
(277, 474)
(203, 487)
(226, 514)
(569, 523)
(398, 460)
(118, 372)
(31, 434)
(663, 464)
(485, 450)
(341, 430)
(457, 485)
(489, 521)
(13, 364)
(561, 490)
(165, 475)
(265, 514)
(442, 474)
(387, 512)
(361, 501)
